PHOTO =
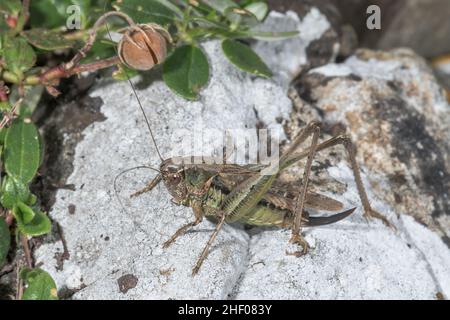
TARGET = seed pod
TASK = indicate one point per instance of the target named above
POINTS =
(143, 46)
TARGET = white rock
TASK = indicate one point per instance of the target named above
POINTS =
(351, 259)
(288, 56)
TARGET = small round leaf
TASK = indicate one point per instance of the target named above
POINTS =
(144, 11)
(186, 71)
(40, 285)
(245, 58)
(31, 222)
(22, 150)
(259, 9)
(19, 56)
(13, 191)
(47, 39)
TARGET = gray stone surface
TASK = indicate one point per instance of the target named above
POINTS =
(397, 113)
(117, 254)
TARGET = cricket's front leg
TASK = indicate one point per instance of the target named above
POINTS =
(198, 211)
(149, 186)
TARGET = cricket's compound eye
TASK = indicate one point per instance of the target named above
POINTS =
(175, 178)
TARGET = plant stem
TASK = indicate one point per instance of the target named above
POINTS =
(10, 77)
(19, 291)
(3, 92)
(23, 18)
(9, 218)
(26, 249)
(8, 116)
(60, 72)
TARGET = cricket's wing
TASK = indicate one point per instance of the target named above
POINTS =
(313, 201)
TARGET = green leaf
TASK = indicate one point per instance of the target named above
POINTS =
(19, 56)
(171, 6)
(30, 99)
(40, 285)
(124, 73)
(5, 241)
(101, 49)
(10, 7)
(52, 14)
(47, 39)
(2, 135)
(31, 222)
(22, 150)
(144, 11)
(238, 16)
(186, 71)
(5, 106)
(264, 35)
(220, 5)
(245, 58)
(13, 191)
(44, 14)
(27, 213)
(259, 9)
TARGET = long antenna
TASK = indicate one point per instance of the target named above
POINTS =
(136, 95)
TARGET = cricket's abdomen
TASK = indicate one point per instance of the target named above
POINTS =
(259, 215)
(264, 216)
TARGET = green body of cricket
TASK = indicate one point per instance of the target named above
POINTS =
(271, 210)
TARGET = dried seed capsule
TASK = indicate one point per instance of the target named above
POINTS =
(144, 46)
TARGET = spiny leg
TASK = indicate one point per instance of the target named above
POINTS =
(181, 231)
(296, 237)
(149, 187)
(205, 251)
(368, 211)
(351, 152)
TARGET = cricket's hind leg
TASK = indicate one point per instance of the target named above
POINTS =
(297, 238)
(349, 146)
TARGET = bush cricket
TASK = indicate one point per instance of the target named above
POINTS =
(228, 193)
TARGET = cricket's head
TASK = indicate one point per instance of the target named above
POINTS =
(173, 177)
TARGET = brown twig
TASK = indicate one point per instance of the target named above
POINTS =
(9, 218)
(19, 291)
(22, 20)
(61, 72)
(3, 92)
(26, 249)
(25, 10)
